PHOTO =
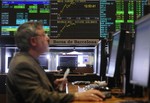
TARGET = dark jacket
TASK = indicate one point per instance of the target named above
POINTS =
(27, 82)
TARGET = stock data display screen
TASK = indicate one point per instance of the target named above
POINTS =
(15, 12)
(71, 19)
(93, 18)
(75, 19)
(115, 12)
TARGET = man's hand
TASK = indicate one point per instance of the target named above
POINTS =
(61, 82)
(90, 95)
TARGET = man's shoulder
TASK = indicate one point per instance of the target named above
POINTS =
(21, 59)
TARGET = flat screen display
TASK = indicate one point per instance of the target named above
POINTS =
(140, 62)
(113, 55)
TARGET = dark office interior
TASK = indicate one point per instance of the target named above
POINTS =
(98, 40)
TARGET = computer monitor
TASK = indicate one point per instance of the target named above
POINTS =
(15, 12)
(116, 54)
(67, 61)
(95, 59)
(101, 59)
(140, 62)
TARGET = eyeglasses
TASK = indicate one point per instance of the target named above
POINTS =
(43, 35)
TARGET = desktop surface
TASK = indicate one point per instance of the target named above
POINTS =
(113, 99)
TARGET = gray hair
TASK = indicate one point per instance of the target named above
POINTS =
(24, 33)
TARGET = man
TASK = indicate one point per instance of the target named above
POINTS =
(27, 81)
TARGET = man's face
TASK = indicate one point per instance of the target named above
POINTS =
(42, 40)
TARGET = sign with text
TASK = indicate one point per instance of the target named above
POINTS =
(87, 42)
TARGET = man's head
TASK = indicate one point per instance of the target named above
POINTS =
(31, 35)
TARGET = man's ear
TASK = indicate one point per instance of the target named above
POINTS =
(33, 41)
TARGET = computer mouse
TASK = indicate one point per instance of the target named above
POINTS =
(103, 88)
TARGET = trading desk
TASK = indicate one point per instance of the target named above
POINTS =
(74, 88)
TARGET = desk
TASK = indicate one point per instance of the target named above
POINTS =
(74, 88)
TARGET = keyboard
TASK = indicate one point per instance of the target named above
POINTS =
(134, 101)
(96, 86)
(81, 82)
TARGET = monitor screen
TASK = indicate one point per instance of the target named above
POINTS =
(70, 19)
(92, 18)
(95, 59)
(115, 54)
(140, 62)
(15, 12)
(101, 59)
(67, 61)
